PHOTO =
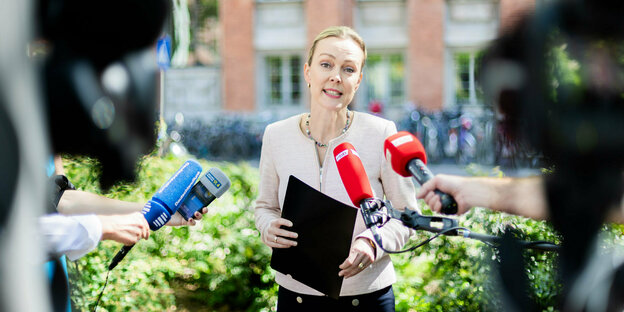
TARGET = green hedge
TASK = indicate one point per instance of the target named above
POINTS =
(218, 265)
(222, 265)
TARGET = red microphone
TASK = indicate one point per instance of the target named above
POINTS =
(355, 181)
(408, 158)
(352, 173)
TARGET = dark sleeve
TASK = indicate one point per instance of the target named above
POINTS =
(58, 185)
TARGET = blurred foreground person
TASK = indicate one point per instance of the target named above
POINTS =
(97, 88)
(558, 80)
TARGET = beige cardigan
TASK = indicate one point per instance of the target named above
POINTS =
(287, 151)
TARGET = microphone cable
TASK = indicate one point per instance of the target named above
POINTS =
(426, 241)
(541, 245)
(97, 303)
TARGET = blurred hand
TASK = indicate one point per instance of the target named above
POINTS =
(467, 191)
(360, 257)
(178, 220)
(276, 237)
(127, 229)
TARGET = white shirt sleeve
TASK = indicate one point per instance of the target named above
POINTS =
(73, 236)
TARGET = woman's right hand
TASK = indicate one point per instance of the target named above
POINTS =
(276, 237)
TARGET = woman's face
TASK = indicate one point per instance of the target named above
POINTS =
(335, 73)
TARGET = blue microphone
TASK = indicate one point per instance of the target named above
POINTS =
(158, 210)
(169, 198)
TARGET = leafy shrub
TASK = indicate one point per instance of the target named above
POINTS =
(219, 264)
(456, 274)
(222, 265)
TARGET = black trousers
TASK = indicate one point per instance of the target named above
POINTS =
(378, 301)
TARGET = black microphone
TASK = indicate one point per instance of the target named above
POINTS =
(408, 158)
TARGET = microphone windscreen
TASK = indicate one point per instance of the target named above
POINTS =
(352, 173)
(402, 147)
(158, 210)
(155, 214)
(216, 182)
(173, 192)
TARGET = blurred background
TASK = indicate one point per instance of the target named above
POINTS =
(237, 65)
(228, 68)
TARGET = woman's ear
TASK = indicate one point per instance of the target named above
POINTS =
(359, 80)
(306, 72)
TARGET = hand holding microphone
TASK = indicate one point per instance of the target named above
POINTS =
(451, 185)
(181, 192)
(127, 229)
(158, 210)
(408, 158)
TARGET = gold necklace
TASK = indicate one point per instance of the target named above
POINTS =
(319, 144)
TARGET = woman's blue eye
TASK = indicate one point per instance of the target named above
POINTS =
(326, 65)
(350, 70)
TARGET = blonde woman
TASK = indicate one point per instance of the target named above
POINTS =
(301, 146)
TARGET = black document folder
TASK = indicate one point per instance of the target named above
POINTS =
(325, 228)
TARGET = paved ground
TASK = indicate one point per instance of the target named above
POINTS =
(468, 170)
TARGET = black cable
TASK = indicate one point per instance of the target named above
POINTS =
(102, 292)
(541, 245)
(380, 243)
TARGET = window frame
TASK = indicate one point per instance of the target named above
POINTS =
(475, 93)
(363, 99)
(264, 87)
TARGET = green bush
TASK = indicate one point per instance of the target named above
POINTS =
(218, 265)
(456, 274)
(221, 264)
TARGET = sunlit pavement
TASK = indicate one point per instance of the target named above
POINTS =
(469, 170)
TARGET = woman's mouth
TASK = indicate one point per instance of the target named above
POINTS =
(332, 93)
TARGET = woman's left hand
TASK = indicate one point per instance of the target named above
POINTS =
(178, 220)
(360, 257)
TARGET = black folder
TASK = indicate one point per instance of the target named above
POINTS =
(325, 228)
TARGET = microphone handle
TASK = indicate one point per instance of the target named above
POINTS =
(119, 256)
(422, 174)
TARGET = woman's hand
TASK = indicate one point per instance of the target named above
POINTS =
(360, 257)
(178, 220)
(276, 237)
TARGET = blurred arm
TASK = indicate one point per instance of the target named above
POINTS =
(75, 202)
(73, 236)
(519, 196)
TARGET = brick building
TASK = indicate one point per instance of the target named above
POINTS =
(421, 51)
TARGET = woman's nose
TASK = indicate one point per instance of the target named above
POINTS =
(335, 77)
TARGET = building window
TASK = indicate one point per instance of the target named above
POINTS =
(467, 87)
(284, 80)
(384, 76)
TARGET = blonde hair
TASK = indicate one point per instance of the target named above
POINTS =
(342, 32)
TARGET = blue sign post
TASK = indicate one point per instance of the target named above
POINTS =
(163, 52)
(163, 59)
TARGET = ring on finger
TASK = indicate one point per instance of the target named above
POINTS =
(275, 239)
(361, 265)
